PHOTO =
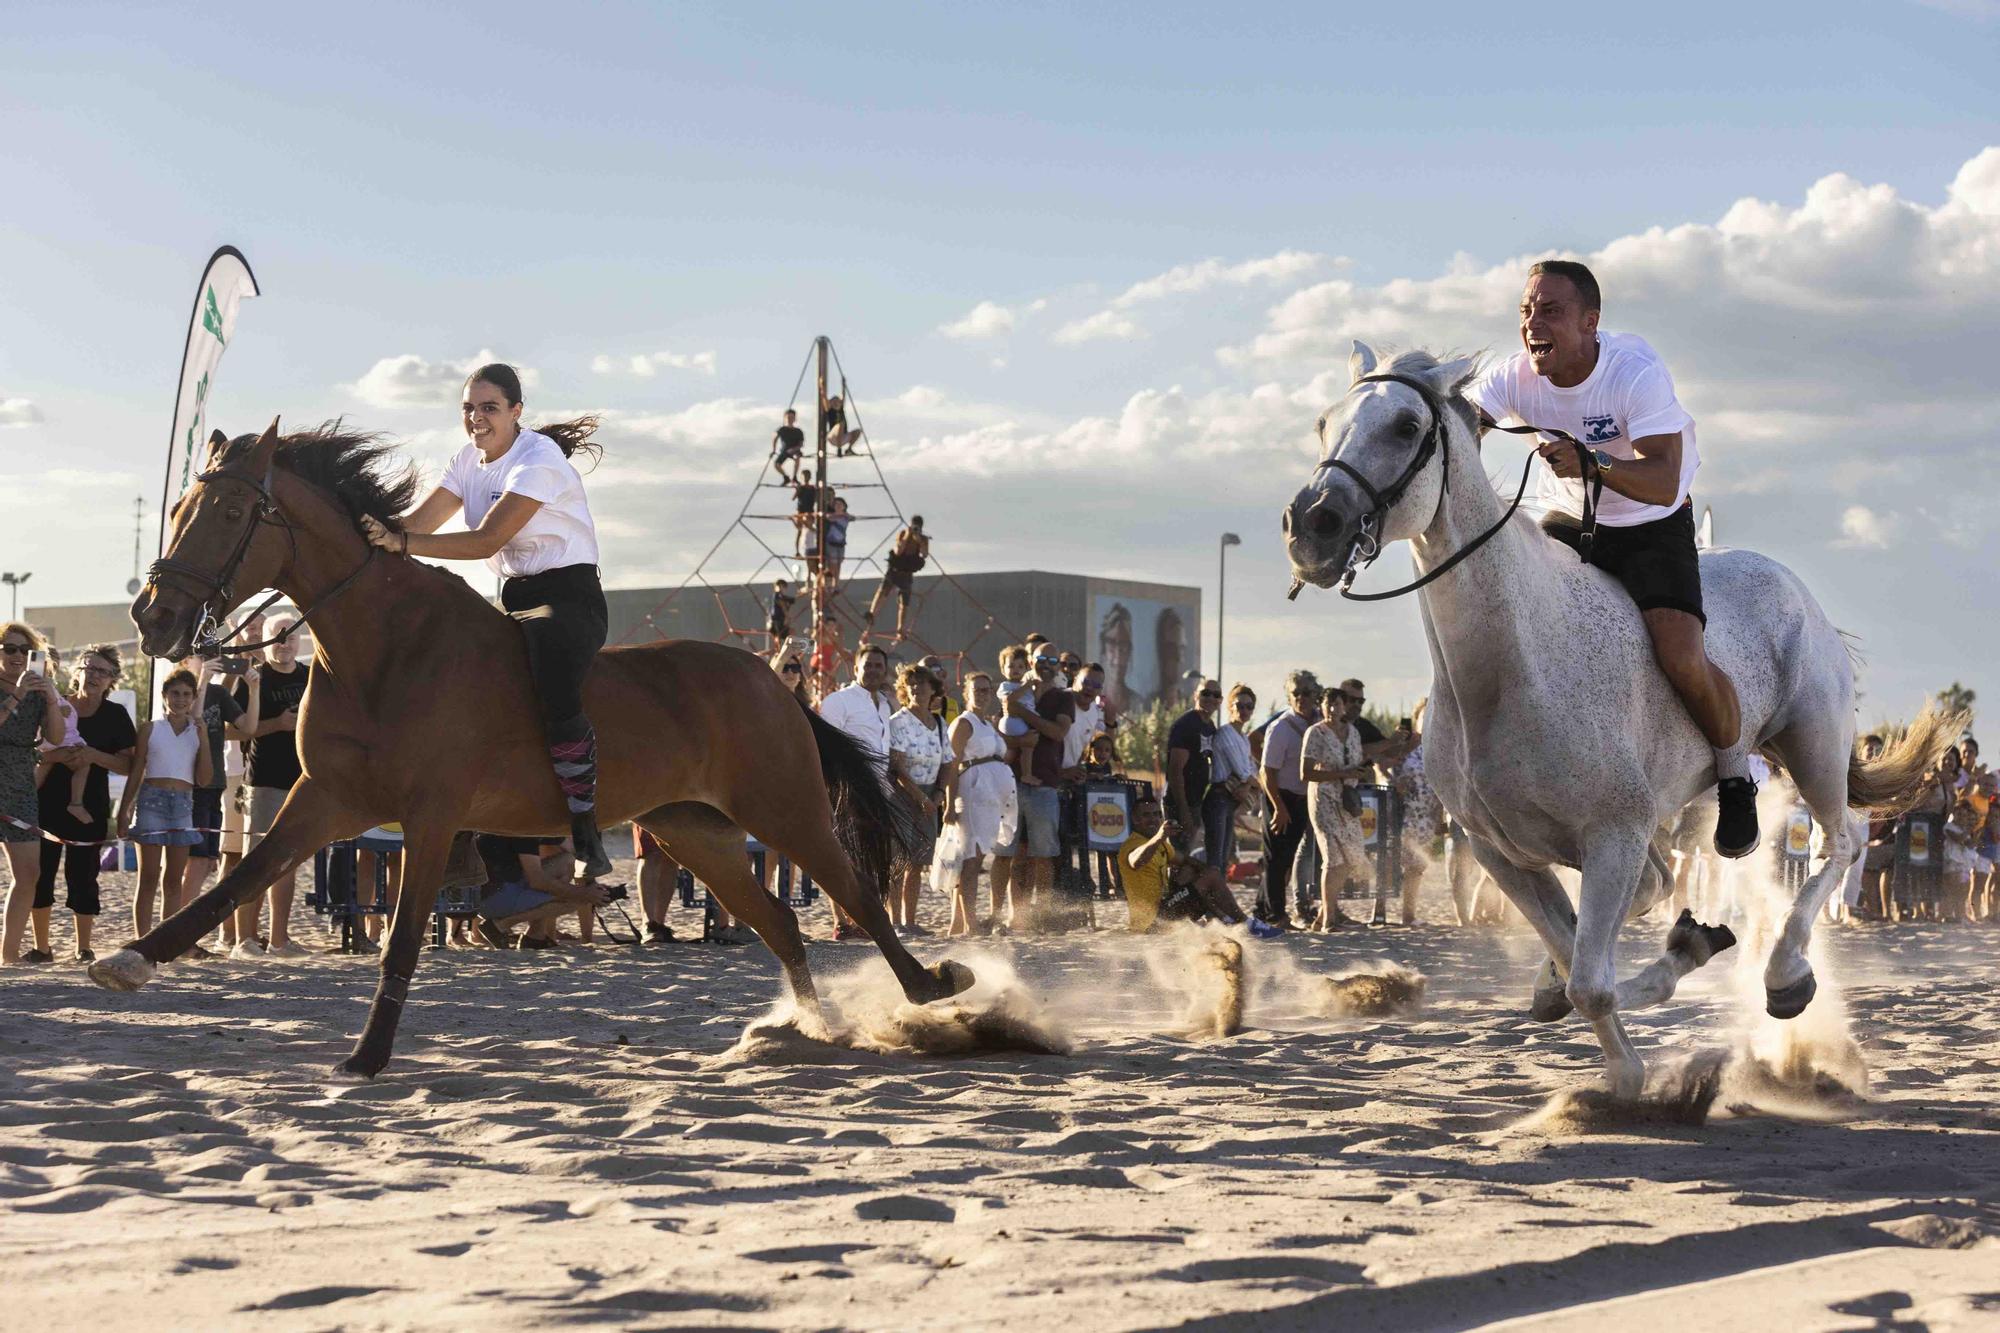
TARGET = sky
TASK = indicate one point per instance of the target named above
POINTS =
(1092, 271)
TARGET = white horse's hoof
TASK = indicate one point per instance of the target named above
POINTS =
(126, 970)
(1791, 1001)
(1696, 942)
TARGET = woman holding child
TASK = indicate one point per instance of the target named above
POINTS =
(29, 712)
(106, 737)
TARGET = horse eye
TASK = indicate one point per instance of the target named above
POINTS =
(1406, 428)
(233, 514)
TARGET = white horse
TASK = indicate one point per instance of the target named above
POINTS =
(1554, 739)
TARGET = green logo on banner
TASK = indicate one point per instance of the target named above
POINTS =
(211, 316)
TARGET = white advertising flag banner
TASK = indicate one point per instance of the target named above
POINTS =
(224, 284)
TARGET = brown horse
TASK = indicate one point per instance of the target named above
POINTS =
(420, 710)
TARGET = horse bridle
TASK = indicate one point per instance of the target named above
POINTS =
(1368, 541)
(218, 585)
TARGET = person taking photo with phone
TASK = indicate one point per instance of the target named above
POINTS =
(29, 713)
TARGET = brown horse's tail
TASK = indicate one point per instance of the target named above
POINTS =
(875, 830)
(1891, 783)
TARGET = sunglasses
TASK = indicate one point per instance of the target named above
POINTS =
(788, 671)
(1211, 694)
(16, 649)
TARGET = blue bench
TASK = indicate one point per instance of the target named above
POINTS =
(693, 893)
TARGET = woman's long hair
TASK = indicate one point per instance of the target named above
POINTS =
(570, 436)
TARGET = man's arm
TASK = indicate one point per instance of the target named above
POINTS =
(1142, 855)
(1653, 478)
(1177, 778)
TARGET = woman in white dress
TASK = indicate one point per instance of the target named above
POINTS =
(916, 756)
(1330, 761)
(980, 810)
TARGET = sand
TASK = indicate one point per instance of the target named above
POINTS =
(590, 1138)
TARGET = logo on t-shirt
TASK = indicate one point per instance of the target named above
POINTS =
(1596, 430)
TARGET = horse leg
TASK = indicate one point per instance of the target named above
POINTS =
(819, 853)
(1539, 896)
(1612, 862)
(310, 819)
(426, 846)
(1818, 762)
(712, 848)
(1689, 945)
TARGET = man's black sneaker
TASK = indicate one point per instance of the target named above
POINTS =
(658, 932)
(1736, 817)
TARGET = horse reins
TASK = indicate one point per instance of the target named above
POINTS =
(206, 640)
(1368, 543)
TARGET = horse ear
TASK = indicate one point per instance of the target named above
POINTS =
(266, 446)
(1447, 379)
(218, 445)
(1361, 361)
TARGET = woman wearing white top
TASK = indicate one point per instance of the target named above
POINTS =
(527, 517)
(157, 809)
(916, 759)
(980, 803)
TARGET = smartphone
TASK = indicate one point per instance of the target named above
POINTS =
(35, 660)
(232, 666)
(1406, 725)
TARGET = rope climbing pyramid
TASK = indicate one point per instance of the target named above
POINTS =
(780, 533)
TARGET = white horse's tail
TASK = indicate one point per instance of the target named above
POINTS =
(1890, 784)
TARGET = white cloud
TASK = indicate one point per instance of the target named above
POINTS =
(1862, 527)
(410, 381)
(649, 365)
(1105, 324)
(19, 412)
(1187, 280)
(988, 319)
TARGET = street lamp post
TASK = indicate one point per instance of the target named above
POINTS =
(1229, 539)
(14, 582)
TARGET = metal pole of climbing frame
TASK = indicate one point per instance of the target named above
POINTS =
(822, 595)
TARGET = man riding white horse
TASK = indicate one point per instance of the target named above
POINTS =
(1612, 393)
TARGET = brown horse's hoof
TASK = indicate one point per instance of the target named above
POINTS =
(126, 970)
(954, 977)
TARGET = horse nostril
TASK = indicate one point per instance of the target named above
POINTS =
(1285, 521)
(1321, 523)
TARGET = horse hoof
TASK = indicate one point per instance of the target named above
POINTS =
(353, 1070)
(1551, 1005)
(126, 970)
(954, 977)
(1791, 1001)
(1698, 943)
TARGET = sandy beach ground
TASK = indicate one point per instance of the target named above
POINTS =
(588, 1137)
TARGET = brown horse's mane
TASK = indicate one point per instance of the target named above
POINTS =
(355, 467)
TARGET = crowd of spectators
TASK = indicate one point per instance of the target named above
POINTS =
(1954, 831)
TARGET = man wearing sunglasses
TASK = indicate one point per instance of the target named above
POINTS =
(1190, 744)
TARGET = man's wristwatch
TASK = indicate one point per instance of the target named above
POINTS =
(1602, 459)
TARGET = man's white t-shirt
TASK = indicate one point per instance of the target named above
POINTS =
(863, 715)
(1628, 396)
(559, 533)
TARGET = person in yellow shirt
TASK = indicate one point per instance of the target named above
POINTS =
(1163, 884)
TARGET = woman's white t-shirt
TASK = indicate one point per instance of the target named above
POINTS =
(1628, 396)
(559, 533)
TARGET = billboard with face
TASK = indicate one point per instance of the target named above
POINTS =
(1145, 647)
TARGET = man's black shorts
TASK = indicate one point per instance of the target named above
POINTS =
(1655, 561)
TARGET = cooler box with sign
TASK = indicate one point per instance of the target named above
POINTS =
(1796, 847)
(1919, 871)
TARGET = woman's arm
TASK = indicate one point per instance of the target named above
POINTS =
(244, 728)
(204, 761)
(134, 781)
(961, 736)
(503, 522)
(52, 720)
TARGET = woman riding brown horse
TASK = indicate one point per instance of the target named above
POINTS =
(709, 745)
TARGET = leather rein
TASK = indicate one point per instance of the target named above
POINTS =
(1368, 542)
(217, 587)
